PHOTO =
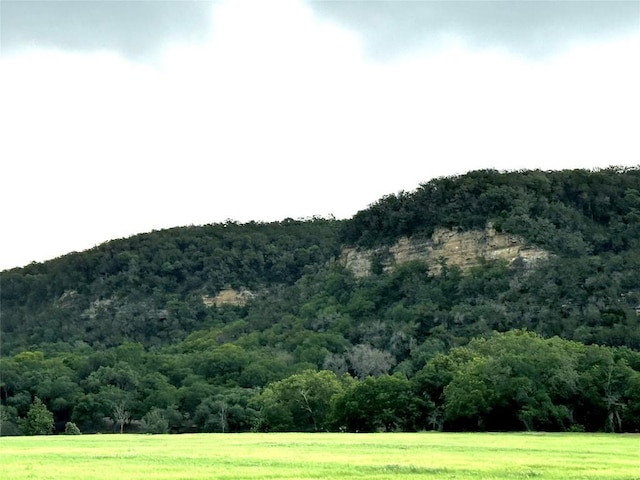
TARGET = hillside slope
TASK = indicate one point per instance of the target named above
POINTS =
(150, 287)
(191, 320)
(156, 288)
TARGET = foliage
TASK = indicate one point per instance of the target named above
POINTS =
(131, 326)
(154, 422)
(227, 410)
(71, 428)
(571, 212)
(301, 402)
(39, 420)
(8, 421)
(384, 403)
(519, 380)
(149, 288)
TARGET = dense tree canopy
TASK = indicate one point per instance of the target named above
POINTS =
(130, 326)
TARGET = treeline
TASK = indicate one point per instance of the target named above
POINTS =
(510, 381)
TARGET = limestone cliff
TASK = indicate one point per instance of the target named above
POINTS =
(228, 296)
(464, 249)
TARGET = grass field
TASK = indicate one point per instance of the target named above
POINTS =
(315, 456)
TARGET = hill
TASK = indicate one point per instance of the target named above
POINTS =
(194, 322)
(154, 288)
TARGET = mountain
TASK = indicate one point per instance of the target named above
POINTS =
(211, 315)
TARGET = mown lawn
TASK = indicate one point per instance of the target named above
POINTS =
(314, 456)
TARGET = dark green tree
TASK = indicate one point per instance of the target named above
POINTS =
(8, 421)
(384, 403)
(39, 420)
(71, 428)
(301, 402)
(154, 421)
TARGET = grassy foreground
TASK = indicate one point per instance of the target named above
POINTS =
(314, 456)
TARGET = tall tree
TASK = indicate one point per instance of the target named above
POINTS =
(39, 420)
(120, 414)
(384, 403)
(300, 402)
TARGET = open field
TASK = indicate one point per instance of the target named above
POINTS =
(314, 456)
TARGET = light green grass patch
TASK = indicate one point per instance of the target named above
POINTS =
(316, 456)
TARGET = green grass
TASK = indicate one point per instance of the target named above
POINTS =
(314, 456)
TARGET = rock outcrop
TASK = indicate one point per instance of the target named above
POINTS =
(464, 249)
(228, 296)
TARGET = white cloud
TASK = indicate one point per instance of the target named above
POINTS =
(280, 114)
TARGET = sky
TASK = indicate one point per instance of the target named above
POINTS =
(122, 117)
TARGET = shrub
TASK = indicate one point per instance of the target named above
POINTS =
(155, 422)
(71, 428)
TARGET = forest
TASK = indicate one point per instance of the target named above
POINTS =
(128, 336)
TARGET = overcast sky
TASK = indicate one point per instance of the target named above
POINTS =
(120, 117)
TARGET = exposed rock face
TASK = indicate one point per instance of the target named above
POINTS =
(96, 306)
(228, 296)
(67, 298)
(464, 249)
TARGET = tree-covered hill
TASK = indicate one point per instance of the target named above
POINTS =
(133, 325)
(571, 212)
(149, 287)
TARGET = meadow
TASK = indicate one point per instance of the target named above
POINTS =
(315, 456)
